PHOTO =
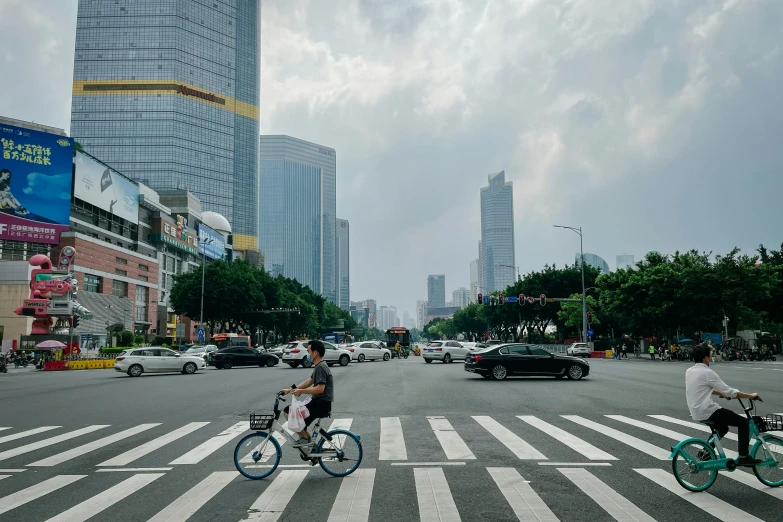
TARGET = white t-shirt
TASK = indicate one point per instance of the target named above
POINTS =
(700, 381)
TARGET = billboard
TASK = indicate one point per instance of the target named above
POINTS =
(210, 243)
(104, 188)
(35, 184)
(176, 235)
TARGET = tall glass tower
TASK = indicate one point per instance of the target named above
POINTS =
(496, 249)
(167, 92)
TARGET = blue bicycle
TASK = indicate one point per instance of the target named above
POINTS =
(339, 452)
(696, 465)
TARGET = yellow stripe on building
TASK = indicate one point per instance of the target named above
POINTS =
(245, 242)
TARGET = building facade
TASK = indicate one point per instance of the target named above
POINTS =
(594, 261)
(421, 314)
(496, 252)
(625, 261)
(461, 297)
(474, 280)
(436, 291)
(388, 317)
(167, 92)
(343, 264)
(316, 166)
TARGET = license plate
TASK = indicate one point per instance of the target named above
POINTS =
(288, 353)
(430, 350)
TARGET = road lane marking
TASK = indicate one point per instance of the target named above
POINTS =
(132, 470)
(752, 481)
(525, 502)
(23, 434)
(12, 470)
(340, 424)
(619, 436)
(353, 499)
(574, 464)
(91, 446)
(148, 447)
(452, 444)
(449, 463)
(392, 440)
(434, 495)
(273, 501)
(663, 431)
(5, 476)
(210, 446)
(518, 447)
(695, 425)
(572, 441)
(94, 505)
(703, 500)
(619, 507)
(41, 489)
(21, 450)
(194, 499)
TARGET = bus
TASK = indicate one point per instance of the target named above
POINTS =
(224, 340)
(397, 334)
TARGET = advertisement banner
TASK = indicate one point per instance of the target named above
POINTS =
(176, 235)
(35, 184)
(210, 243)
(99, 185)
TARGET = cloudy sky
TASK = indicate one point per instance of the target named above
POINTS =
(654, 125)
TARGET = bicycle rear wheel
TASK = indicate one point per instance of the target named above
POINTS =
(769, 474)
(253, 453)
(348, 453)
(684, 467)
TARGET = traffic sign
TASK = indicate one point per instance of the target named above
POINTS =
(200, 332)
(590, 332)
(486, 299)
(511, 299)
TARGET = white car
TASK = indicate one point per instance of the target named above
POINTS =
(578, 350)
(296, 354)
(474, 346)
(136, 361)
(368, 351)
(201, 351)
(445, 351)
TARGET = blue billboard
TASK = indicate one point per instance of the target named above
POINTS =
(210, 243)
(35, 184)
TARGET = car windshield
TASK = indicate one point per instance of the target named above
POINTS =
(435, 344)
(197, 349)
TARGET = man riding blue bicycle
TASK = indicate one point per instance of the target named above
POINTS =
(701, 383)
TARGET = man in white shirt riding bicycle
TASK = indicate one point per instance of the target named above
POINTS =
(701, 383)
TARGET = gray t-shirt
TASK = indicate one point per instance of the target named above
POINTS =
(323, 375)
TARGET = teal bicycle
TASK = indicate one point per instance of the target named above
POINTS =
(696, 464)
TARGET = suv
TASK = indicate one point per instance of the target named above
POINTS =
(579, 350)
(296, 353)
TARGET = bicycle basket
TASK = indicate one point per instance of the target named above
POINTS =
(261, 421)
(773, 422)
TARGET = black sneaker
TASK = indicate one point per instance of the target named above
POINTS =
(748, 461)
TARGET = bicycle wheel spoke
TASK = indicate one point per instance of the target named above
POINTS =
(685, 467)
(343, 453)
(770, 474)
(253, 450)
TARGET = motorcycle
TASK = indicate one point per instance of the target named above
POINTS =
(20, 361)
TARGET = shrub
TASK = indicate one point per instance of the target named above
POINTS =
(158, 340)
(107, 349)
(139, 340)
(126, 338)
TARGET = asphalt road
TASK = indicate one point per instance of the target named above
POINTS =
(598, 432)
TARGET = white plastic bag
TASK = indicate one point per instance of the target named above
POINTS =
(297, 413)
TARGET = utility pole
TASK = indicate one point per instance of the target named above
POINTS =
(582, 263)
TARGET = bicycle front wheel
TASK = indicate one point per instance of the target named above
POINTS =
(769, 473)
(685, 470)
(257, 456)
(344, 453)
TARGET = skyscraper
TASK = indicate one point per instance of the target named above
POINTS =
(625, 261)
(388, 317)
(297, 211)
(342, 265)
(421, 314)
(497, 258)
(167, 92)
(474, 279)
(436, 291)
(594, 261)
(461, 297)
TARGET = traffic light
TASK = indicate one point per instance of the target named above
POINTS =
(500, 299)
(542, 300)
(75, 321)
(589, 317)
(521, 300)
(480, 299)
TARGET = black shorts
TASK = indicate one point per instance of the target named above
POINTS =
(318, 410)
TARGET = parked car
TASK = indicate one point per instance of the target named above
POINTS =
(201, 351)
(240, 356)
(295, 354)
(505, 360)
(578, 350)
(368, 351)
(445, 351)
(157, 360)
(278, 350)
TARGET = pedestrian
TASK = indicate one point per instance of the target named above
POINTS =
(625, 355)
(652, 352)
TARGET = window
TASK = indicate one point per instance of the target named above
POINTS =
(121, 272)
(143, 278)
(93, 283)
(144, 268)
(121, 260)
(519, 349)
(539, 351)
(141, 303)
(119, 288)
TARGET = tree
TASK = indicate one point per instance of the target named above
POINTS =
(570, 314)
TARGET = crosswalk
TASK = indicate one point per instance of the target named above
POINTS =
(436, 467)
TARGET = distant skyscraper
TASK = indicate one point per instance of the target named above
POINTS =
(461, 297)
(421, 314)
(388, 317)
(343, 273)
(496, 256)
(595, 261)
(407, 321)
(436, 291)
(297, 211)
(167, 92)
(624, 261)
(474, 280)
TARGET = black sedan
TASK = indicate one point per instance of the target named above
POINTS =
(505, 360)
(240, 356)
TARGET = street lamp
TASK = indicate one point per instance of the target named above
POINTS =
(582, 263)
(203, 269)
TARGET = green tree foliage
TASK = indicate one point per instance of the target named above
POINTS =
(570, 314)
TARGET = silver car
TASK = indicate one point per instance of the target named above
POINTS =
(445, 351)
(295, 354)
(579, 350)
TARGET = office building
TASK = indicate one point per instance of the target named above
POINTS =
(408, 321)
(387, 317)
(625, 261)
(461, 297)
(496, 252)
(594, 261)
(372, 312)
(436, 291)
(421, 314)
(297, 212)
(343, 266)
(167, 92)
(474, 280)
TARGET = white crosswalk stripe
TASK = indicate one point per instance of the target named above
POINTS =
(619, 436)
(392, 440)
(519, 447)
(23, 434)
(353, 500)
(273, 501)
(210, 446)
(753, 482)
(525, 502)
(435, 501)
(94, 505)
(572, 441)
(450, 441)
(147, 448)
(186, 505)
(620, 508)
(21, 450)
(694, 425)
(704, 501)
(39, 490)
